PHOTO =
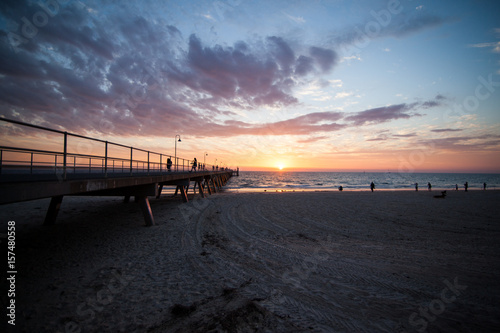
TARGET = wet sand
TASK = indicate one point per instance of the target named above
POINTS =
(388, 261)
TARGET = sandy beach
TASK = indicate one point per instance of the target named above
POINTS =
(388, 261)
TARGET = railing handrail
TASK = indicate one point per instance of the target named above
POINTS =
(17, 122)
(177, 161)
(52, 152)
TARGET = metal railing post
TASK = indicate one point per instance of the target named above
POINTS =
(148, 162)
(106, 160)
(131, 166)
(65, 154)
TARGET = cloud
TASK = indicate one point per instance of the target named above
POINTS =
(313, 139)
(131, 75)
(391, 112)
(343, 94)
(316, 122)
(382, 114)
(296, 19)
(495, 46)
(466, 143)
(405, 25)
(380, 138)
(442, 130)
(140, 75)
(399, 26)
(326, 58)
(409, 135)
(305, 65)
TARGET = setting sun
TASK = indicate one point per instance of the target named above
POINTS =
(280, 166)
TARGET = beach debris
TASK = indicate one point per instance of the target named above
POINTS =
(442, 196)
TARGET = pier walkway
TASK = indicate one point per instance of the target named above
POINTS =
(38, 162)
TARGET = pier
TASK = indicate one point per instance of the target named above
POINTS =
(64, 164)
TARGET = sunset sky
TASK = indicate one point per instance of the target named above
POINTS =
(336, 85)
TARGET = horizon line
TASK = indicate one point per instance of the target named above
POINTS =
(271, 169)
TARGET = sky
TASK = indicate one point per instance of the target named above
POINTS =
(400, 86)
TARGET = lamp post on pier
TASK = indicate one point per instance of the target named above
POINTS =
(175, 158)
(204, 155)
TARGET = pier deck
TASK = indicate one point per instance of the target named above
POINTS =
(30, 174)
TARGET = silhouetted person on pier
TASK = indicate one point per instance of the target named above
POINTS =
(429, 186)
(416, 187)
(169, 164)
(372, 186)
(466, 186)
(195, 164)
(484, 186)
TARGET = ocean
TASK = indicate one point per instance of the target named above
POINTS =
(249, 181)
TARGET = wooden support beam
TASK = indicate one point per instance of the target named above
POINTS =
(54, 206)
(160, 188)
(200, 186)
(146, 210)
(208, 186)
(213, 183)
(183, 190)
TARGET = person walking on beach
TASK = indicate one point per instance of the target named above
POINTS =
(429, 186)
(372, 186)
(466, 186)
(416, 187)
(484, 186)
(456, 187)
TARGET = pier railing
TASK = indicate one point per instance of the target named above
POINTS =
(66, 155)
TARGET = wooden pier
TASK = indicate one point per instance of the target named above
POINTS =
(73, 174)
